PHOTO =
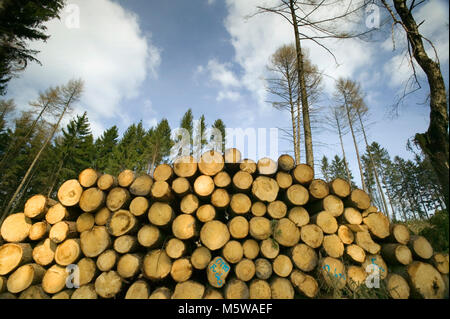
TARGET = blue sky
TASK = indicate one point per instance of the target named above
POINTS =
(148, 60)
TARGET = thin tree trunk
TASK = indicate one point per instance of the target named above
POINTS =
(151, 167)
(303, 94)
(343, 151)
(299, 125)
(294, 134)
(55, 179)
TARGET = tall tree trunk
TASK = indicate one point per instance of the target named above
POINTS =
(434, 142)
(151, 167)
(303, 94)
(55, 179)
(294, 134)
(343, 151)
(380, 189)
(299, 126)
(356, 145)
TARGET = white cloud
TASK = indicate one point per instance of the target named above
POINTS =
(211, 2)
(229, 95)
(108, 51)
(221, 74)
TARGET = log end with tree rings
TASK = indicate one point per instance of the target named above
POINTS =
(211, 163)
(286, 163)
(126, 178)
(303, 174)
(69, 193)
(340, 188)
(88, 177)
(185, 166)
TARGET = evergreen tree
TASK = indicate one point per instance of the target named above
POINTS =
(325, 168)
(159, 144)
(337, 169)
(219, 144)
(104, 146)
(187, 124)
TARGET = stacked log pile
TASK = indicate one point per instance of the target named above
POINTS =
(221, 227)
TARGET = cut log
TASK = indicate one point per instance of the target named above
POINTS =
(54, 279)
(233, 251)
(188, 290)
(238, 227)
(303, 174)
(425, 281)
(139, 206)
(163, 172)
(332, 272)
(68, 252)
(233, 158)
(181, 186)
(236, 289)
(87, 271)
(304, 284)
(365, 241)
(220, 198)
(44, 252)
(282, 266)
(185, 166)
(269, 248)
(16, 228)
(399, 234)
(161, 293)
(340, 188)
(204, 186)
(304, 257)
(25, 276)
(107, 182)
(358, 199)
(286, 163)
(107, 260)
(248, 165)
(126, 178)
(69, 193)
(129, 265)
(92, 199)
(62, 231)
(85, 221)
(277, 209)
(108, 284)
(259, 289)
(206, 213)
(267, 166)
(240, 203)
(149, 236)
(318, 189)
(161, 191)
(311, 235)
(352, 216)
(265, 189)
(184, 227)
(189, 204)
(378, 261)
(440, 262)
(284, 180)
(200, 258)
(217, 272)
(245, 269)
(242, 181)
(102, 216)
(39, 230)
(397, 286)
(260, 228)
(356, 253)
(299, 216)
(378, 225)
(326, 222)
(214, 234)
(281, 288)
(85, 292)
(330, 203)
(396, 254)
(297, 195)
(88, 177)
(57, 213)
(333, 246)
(125, 244)
(138, 290)
(122, 222)
(222, 179)
(357, 228)
(286, 233)
(420, 247)
(37, 206)
(160, 214)
(356, 276)
(142, 185)
(211, 163)
(94, 242)
(34, 292)
(181, 270)
(156, 265)
(258, 209)
(251, 249)
(117, 198)
(263, 268)
(175, 248)
(345, 234)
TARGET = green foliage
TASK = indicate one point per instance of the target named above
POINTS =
(438, 231)
(219, 125)
(104, 146)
